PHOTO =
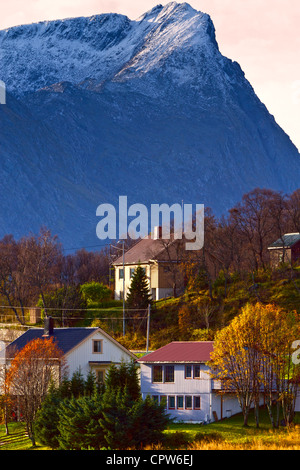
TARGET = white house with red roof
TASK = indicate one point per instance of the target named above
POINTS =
(179, 375)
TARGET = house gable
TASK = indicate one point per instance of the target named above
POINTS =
(85, 356)
(77, 345)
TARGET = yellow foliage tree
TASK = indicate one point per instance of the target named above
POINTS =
(253, 359)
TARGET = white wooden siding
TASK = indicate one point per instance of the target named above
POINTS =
(209, 401)
(82, 354)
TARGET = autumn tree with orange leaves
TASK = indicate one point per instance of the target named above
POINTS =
(29, 376)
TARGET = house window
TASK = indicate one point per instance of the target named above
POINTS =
(155, 398)
(97, 346)
(188, 402)
(169, 374)
(121, 273)
(188, 372)
(171, 403)
(196, 403)
(197, 371)
(157, 374)
(163, 374)
(180, 402)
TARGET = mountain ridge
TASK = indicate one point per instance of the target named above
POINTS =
(166, 118)
(106, 35)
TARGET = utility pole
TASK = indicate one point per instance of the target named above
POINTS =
(109, 265)
(123, 250)
(123, 287)
(148, 327)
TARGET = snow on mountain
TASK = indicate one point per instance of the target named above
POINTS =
(105, 106)
(103, 46)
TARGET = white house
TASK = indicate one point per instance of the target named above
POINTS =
(83, 348)
(158, 258)
(178, 374)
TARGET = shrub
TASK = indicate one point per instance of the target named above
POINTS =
(79, 426)
(95, 292)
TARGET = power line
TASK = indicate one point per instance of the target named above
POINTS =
(83, 247)
(93, 318)
(96, 309)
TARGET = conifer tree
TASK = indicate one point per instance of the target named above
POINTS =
(79, 426)
(117, 423)
(129, 424)
(47, 419)
(125, 375)
(77, 384)
(139, 295)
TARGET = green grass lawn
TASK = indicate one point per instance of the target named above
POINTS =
(232, 431)
(16, 441)
(225, 433)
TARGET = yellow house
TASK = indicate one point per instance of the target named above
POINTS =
(161, 262)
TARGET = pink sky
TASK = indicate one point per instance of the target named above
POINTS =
(262, 35)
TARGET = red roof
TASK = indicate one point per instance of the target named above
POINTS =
(181, 351)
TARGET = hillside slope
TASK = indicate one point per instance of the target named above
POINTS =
(105, 106)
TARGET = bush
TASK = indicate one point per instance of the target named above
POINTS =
(79, 426)
(95, 292)
(113, 416)
(131, 425)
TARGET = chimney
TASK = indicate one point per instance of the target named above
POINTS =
(48, 327)
(157, 233)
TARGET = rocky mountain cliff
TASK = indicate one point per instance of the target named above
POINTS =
(105, 106)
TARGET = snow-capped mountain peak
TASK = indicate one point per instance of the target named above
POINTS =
(147, 108)
(101, 47)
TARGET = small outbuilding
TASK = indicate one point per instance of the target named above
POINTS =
(285, 250)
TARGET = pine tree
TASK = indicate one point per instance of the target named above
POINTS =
(90, 384)
(77, 384)
(47, 419)
(125, 375)
(129, 424)
(139, 295)
(117, 423)
(79, 427)
(149, 421)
